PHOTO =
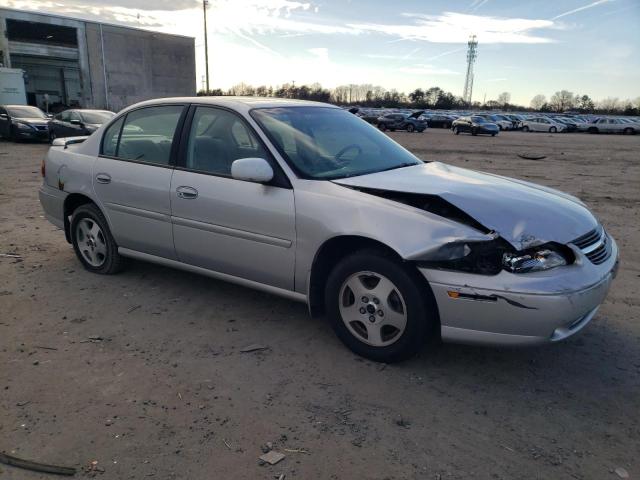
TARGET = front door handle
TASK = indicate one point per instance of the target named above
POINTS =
(188, 193)
(103, 178)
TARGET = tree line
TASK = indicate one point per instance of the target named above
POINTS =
(434, 98)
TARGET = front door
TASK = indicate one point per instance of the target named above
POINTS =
(239, 228)
(132, 178)
(5, 123)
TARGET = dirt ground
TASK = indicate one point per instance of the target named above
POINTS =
(143, 371)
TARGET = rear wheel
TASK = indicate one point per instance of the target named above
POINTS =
(411, 128)
(379, 308)
(92, 241)
(628, 131)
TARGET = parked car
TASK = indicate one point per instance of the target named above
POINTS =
(516, 120)
(474, 125)
(612, 125)
(571, 125)
(307, 201)
(402, 121)
(439, 121)
(23, 122)
(77, 123)
(542, 124)
(502, 123)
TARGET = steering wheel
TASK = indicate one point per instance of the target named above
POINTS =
(346, 149)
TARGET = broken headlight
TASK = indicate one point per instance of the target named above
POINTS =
(533, 261)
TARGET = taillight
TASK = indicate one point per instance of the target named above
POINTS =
(43, 168)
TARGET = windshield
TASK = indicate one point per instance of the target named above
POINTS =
(26, 112)
(329, 143)
(478, 119)
(97, 118)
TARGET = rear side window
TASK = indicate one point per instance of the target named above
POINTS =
(147, 134)
(110, 139)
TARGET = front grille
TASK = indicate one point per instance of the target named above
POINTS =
(595, 245)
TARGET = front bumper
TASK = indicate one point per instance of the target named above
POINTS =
(520, 309)
(33, 134)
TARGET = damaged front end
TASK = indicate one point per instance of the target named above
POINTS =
(479, 257)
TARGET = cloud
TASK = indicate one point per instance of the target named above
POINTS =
(493, 80)
(452, 27)
(320, 53)
(580, 9)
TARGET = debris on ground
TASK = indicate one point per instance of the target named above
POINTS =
(134, 308)
(92, 468)
(10, 255)
(531, 156)
(296, 450)
(272, 457)
(621, 472)
(267, 447)
(35, 466)
(253, 348)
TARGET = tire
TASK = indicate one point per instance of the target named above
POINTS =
(493, 134)
(409, 304)
(96, 249)
(382, 127)
(52, 136)
(500, 127)
(474, 131)
(455, 130)
(628, 131)
(526, 128)
(13, 135)
(553, 130)
(411, 128)
(446, 125)
(592, 130)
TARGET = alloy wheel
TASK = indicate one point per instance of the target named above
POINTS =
(372, 308)
(91, 242)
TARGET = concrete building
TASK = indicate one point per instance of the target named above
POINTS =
(72, 62)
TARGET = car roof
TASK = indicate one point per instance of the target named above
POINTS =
(243, 104)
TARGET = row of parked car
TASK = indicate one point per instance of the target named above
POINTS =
(492, 123)
(24, 122)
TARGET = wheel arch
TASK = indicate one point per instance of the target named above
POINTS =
(71, 203)
(331, 252)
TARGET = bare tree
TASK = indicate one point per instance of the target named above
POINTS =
(504, 98)
(538, 101)
(562, 100)
(609, 105)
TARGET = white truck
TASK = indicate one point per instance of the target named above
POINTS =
(12, 90)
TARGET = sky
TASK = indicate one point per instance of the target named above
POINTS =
(524, 47)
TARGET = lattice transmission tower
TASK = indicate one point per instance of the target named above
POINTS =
(472, 53)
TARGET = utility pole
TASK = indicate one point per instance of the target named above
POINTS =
(205, 3)
(471, 59)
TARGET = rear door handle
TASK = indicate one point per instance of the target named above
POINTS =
(103, 178)
(188, 193)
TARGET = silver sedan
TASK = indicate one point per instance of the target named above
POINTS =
(308, 201)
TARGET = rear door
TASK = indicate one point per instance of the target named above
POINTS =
(132, 177)
(239, 228)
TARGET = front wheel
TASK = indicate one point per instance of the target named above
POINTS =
(474, 131)
(456, 130)
(628, 131)
(92, 241)
(380, 308)
(553, 130)
(525, 128)
(410, 128)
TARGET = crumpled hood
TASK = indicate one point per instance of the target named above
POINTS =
(523, 213)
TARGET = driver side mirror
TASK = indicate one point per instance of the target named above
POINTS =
(4, 116)
(255, 170)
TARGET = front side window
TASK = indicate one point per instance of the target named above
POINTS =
(147, 134)
(96, 118)
(329, 143)
(218, 138)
